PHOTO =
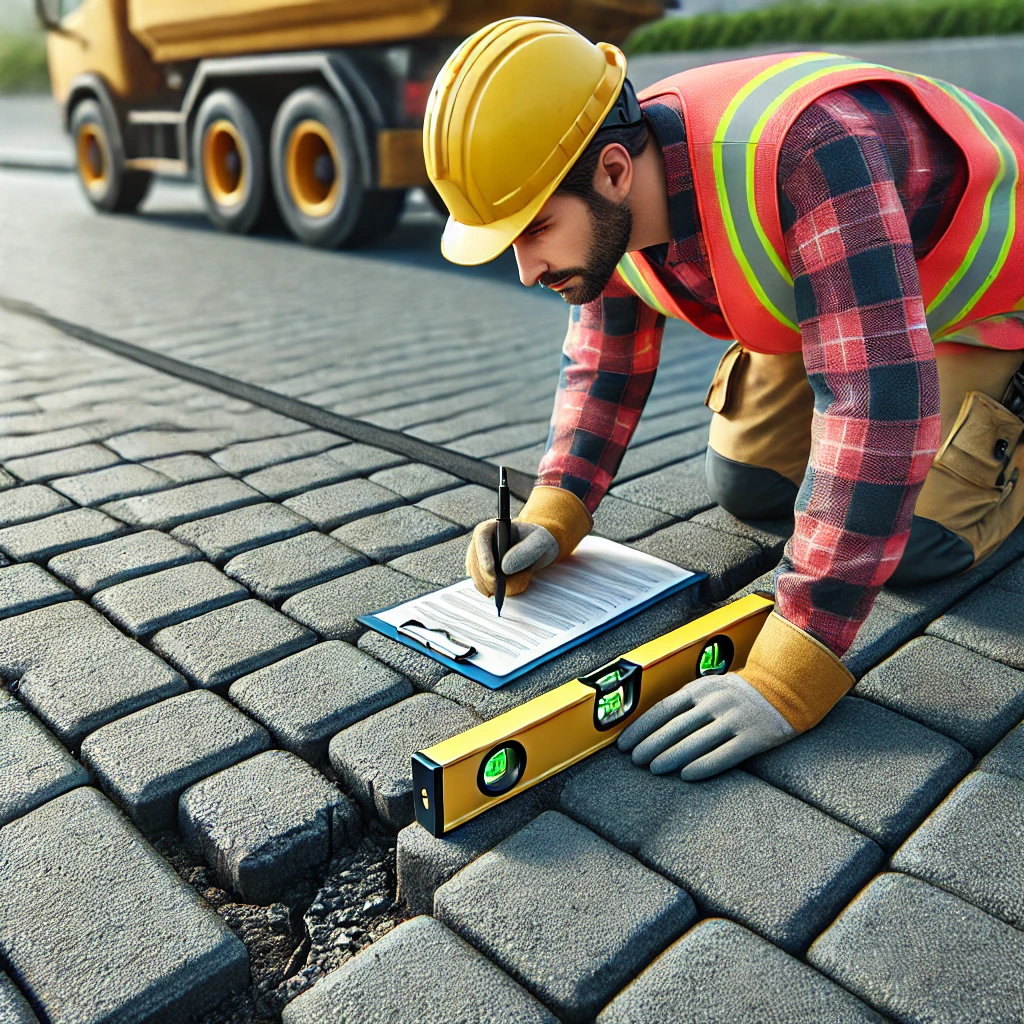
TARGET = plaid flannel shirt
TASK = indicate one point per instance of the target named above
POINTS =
(867, 184)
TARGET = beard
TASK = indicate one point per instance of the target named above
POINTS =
(611, 226)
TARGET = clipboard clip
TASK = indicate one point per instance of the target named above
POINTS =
(438, 640)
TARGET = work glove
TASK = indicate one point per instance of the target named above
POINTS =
(789, 683)
(553, 521)
(708, 726)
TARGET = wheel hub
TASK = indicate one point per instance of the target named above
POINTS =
(314, 172)
(224, 170)
(92, 162)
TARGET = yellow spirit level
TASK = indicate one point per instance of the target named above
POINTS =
(459, 778)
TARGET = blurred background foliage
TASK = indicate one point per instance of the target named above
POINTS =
(23, 62)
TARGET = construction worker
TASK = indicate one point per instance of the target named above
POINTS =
(853, 228)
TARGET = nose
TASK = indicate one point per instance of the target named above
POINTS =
(530, 267)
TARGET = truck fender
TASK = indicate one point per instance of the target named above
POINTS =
(92, 86)
(333, 69)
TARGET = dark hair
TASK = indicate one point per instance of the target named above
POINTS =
(580, 179)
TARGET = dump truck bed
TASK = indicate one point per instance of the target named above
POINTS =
(175, 30)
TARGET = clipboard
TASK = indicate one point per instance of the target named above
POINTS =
(415, 640)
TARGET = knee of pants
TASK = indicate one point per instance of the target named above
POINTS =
(748, 492)
(932, 553)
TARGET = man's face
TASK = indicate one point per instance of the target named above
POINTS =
(574, 245)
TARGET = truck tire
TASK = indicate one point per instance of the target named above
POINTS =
(99, 160)
(316, 171)
(381, 211)
(230, 157)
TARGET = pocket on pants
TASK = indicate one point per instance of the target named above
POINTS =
(717, 398)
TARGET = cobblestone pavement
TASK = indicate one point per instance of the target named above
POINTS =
(209, 808)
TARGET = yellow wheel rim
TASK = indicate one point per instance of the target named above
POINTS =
(313, 169)
(224, 166)
(93, 161)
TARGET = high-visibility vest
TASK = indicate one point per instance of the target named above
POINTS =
(737, 115)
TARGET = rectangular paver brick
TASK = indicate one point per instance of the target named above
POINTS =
(566, 914)
(185, 469)
(26, 587)
(103, 565)
(249, 456)
(146, 760)
(469, 504)
(167, 509)
(14, 1009)
(34, 766)
(421, 671)
(276, 571)
(98, 927)
(1007, 757)
(988, 621)
(152, 444)
(414, 481)
(33, 501)
(387, 535)
(720, 972)
(374, 756)
(77, 671)
(921, 955)
(623, 521)
(286, 479)
(741, 848)
(112, 483)
(144, 605)
(82, 459)
(877, 771)
(223, 536)
(333, 506)
(214, 649)
(440, 564)
(40, 541)
(680, 489)
(305, 699)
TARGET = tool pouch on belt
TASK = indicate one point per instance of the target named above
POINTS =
(718, 394)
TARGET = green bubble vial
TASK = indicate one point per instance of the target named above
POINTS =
(609, 704)
(496, 766)
(710, 660)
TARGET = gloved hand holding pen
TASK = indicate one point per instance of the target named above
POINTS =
(553, 521)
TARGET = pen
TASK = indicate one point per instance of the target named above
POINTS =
(502, 538)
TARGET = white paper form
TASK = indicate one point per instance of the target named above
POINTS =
(599, 581)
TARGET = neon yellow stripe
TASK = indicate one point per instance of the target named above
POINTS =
(630, 273)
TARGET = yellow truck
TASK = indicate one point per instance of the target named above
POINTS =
(307, 111)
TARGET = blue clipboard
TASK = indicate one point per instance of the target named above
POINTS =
(493, 682)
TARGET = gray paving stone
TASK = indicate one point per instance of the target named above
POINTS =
(152, 444)
(988, 621)
(623, 521)
(185, 469)
(83, 459)
(337, 504)
(667, 451)
(469, 504)
(276, 571)
(34, 766)
(47, 441)
(398, 531)
(920, 955)
(424, 863)
(374, 756)
(719, 972)
(331, 608)
(7, 480)
(877, 771)
(222, 537)
(414, 481)
(146, 760)
(307, 698)
(555, 887)
(112, 483)
(265, 825)
(768, 534)
(741, 848)
(33, 501)
(167, 509)
(970, 698)
(420, 971)
(363, 459)
(99, 928)
(729, 561)
(1011, 578)
(13, 1007)
(27, 586)
(103, 565)
(421, 671)
(77, 671)
(440, 564)
(249, 456)
(973, 846)
(40, 541)
(899, 614)
(215, 649)
(679, 489)
(1007, 756)
(286, 479)
(144, 605)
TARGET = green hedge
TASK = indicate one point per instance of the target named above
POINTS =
(831, 23)
(23, 64)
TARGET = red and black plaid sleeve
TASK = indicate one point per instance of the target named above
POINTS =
(863, 183)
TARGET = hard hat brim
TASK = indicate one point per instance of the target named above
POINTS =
(469, 245)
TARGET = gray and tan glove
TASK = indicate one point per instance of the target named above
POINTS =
(789, 683)
(553, 521)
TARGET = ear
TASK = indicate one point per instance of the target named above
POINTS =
(613, 176)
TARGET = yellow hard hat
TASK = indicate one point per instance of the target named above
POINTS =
(510, 112)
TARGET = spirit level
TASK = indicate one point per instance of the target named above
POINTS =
(459, 778)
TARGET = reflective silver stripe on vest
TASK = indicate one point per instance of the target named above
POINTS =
(988, 252)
